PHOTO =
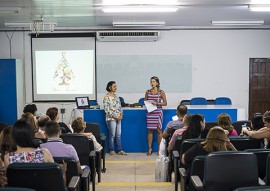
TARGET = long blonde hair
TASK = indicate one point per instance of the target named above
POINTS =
(215, 140)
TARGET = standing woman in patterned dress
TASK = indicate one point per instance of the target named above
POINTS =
(154, 119)
(114, 116)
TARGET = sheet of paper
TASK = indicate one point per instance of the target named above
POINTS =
(175, 118)
(149, 106)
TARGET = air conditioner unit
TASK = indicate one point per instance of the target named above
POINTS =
(131, 36)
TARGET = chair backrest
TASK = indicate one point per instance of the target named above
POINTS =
(94, 128)
(261, 155)
(16, 189)
(243, 143)
(238, 125)
(141, 101)
(211, 102)
(267, 179)
(64, 128)
(81, 145)
(187, 144)
(253, 188)
(72, 169)
(93, 102)
(223, 101)
(225, 171)
(198, 101)
(39, 176)
(197, 168)
(185, 102)
(121, 99)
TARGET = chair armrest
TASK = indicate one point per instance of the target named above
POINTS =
(197, 183)
(74, 183)
(175, 154)
(183, 178)
(92, 154)
(102, 137)
(86, 173)
(261, 182)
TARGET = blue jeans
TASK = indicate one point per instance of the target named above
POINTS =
(114, 128)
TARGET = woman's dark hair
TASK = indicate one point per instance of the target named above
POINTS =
(109, 85)
(52, 112)
(6, 142)
(22, 134)
(157, 80)
(194, 128)
(30, 108)
(257, 122)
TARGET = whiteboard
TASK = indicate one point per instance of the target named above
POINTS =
(132, 73)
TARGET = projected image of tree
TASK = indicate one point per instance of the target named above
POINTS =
(63, 72)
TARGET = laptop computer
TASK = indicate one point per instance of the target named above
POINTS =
(82, 102)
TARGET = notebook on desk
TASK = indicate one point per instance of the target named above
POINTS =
(82, 102)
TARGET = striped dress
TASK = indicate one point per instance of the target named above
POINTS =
(154, 119)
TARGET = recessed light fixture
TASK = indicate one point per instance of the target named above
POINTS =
(257, 22)
(137, 9)
(133, 24)
(259, 7)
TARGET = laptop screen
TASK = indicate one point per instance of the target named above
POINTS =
(82, 102)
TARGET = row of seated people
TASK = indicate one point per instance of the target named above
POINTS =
(194, 126)
(18, 144)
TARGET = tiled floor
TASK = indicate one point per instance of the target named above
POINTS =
(134, 172)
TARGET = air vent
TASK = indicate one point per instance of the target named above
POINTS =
(128, 35)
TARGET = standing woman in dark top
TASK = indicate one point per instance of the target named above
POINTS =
(195, 127)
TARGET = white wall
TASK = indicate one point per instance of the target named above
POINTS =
(220, 61)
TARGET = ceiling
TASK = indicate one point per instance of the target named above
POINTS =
(88, 14)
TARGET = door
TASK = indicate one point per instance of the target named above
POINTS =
(259, 85)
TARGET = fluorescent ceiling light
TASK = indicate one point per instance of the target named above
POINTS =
(140, 2)
(259, 7)
(10, 9)
(133, 24)
(237, 22)
(146, 9)
(265, 2)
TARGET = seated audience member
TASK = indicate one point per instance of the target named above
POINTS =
(216, 140)
(30, 108)
(42, 120)
(263, 132)
(224, 121)
(257, 122)
(180, 131)
(181, 111)
(6, 142)
(3, 125)
(30, 118)
(195, 127)
(27, 151)
(78, 126)
(56, 146)
(53, 113)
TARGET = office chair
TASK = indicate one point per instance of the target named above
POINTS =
(198, 101)
(261, 155)
(85, 153)
(223, 101)
(141, 101)
(243, 143)
(253, 188)
(211, 102)
(228, 170)
(72, 170)
(94, 128)
(197, 168)
(185, 102)
(208, 126)
(39, 176)
(267, 178)
(186, 144)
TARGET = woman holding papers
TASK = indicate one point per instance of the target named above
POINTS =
(157, 98)
(114, 115)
